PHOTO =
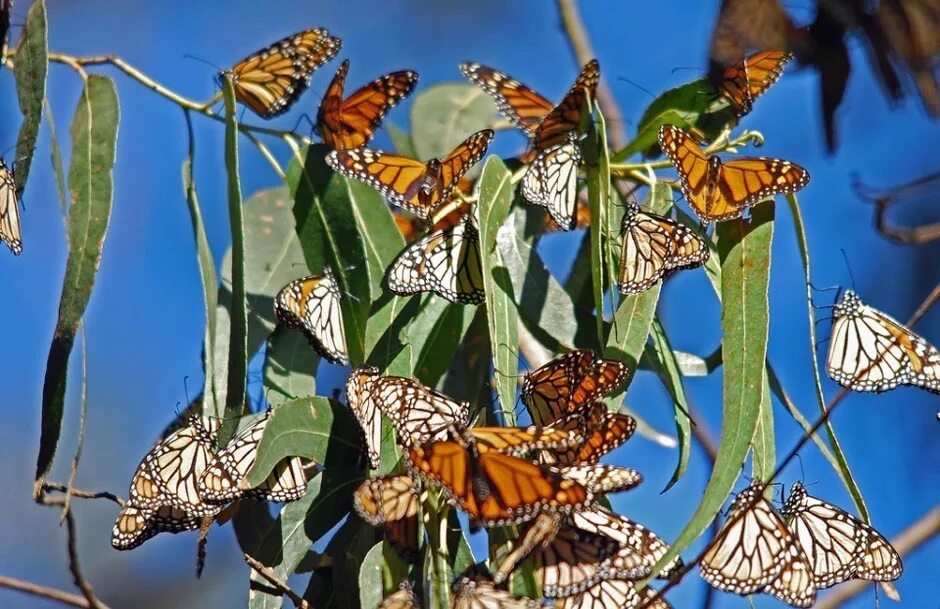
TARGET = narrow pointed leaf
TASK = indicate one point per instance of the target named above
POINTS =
(30, 71)
(290, 367)
(667, 368)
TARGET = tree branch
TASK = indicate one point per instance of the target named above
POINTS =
(66, 598)
(581, 46)
(268, 574)
(906, 542)
(917, 235)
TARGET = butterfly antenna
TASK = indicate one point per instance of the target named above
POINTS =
(201, 60)
(637, 85)
(306, 118)
(848, 267)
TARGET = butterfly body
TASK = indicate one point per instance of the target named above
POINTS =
(271, 80)
(718, 190)
(350, 123)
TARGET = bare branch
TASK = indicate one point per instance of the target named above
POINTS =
(577, 37)
(81, 494)
(66, 598)
(917, 235)
(75, 566)
(268, 574)
(906, 542)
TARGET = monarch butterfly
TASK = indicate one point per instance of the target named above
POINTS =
(418, 413)
(608, 593)
(602, 432)
(169, 474)
(391, 502)
(754, 551)
(639, 547)
(271, 80)
(474, 590)
(445, 261)
(225, 477)
(10, 230)
(410, 226)
(838, 545)
(494, 488)
(602, 479)
(871, 351)
(360, 400)
(313, 304)
(552, 182)
(135, 524)
(418, 187)
(544, 123)
(721, 191)
(569, 383)
(745, 81)
(653, 248)
(573, 561)
(350, 123)
(403, 598)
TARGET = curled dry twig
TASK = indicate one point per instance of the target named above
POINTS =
(917, 235)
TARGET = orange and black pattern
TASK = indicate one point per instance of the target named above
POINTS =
(569, 383)
(745, 81)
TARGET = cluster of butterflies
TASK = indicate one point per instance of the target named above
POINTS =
(545, 478)
(184, 483)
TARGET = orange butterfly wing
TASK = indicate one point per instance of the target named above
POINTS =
(566, 116)
(522, 106)
(271, 80)
(722, 191)
(350, 123)
(743, 82)
(417, 187)
(494, 488)
(568, 383)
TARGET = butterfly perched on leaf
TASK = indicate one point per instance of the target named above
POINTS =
(743, 82)
(718, 190)
(545, 123)
(552, 182)
(871, 351)
(838, 546)
(365, 408)
(474, 589)
(10, 231)
(224, 479)
(350, 122)
(446, 262)
(569, 383)
(403, 598)
(417, 186)
(391, 502)
(271, 80)
(755, 552)
(613, 593)
(313, 304)
(602, 431)
(653, 248)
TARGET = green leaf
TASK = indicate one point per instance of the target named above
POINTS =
(94, 138)
(692, 106)
(501, 314)
(765, 448)
(329, 236)
(667, 368)
(842, 463)
(631, 325)
(290, 366)
(371, 590)
(349, 547)
(401, 141)
(434, 336)
(284, 543)
(210, 281)
(315, 428)
(444, 115)
(276, 259)
(30, 70)
(745, 271)
(55, 154)
(237, 360)
(598, 182)
(544, 305)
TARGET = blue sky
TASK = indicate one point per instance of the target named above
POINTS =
(145, 330)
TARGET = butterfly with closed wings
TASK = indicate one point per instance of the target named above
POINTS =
(313, 304)
(718, 190)
(271, 80)
(742, 83)
(10, 231)
(416, 186)
(349, 123)
(391, 502)
(871, 351)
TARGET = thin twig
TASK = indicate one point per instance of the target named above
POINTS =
(75, 566)
(75, 492)
(81, 427)
(66, 598)
(581, 46)
(906, 542)
(272, 578)
(917, 235)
